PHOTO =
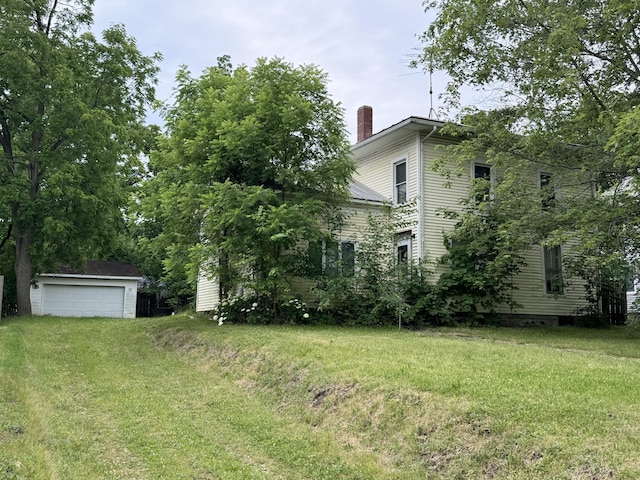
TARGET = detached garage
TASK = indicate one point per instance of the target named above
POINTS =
(100, 289)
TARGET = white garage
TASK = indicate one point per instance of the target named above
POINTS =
(100, 289)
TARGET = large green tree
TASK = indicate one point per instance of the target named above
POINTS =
(71, 112)
(251, 160)
(564, 80)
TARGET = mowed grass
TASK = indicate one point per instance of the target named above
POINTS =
(181, 398)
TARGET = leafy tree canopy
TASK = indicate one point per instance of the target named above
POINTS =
(567, 77)
(272, 125)
(71, 111)
(251, 159)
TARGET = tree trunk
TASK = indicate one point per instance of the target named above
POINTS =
(24, 240)
(23, 272)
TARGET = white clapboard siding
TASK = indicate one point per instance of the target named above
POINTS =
(207, 293)
(440, 193)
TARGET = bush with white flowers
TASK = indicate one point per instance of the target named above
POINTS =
(240, 310)
(256, 310)
(294, 310)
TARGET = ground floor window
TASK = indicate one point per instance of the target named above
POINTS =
(553, 270)
(403, 247)
(332, 258)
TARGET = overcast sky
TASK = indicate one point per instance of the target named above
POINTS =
(364, 45)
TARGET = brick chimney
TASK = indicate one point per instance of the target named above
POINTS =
(365, 122)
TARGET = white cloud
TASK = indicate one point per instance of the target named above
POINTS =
(363, 45)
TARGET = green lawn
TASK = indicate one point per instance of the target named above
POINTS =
(181, 398)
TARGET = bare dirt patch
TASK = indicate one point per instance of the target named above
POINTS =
(588, 471)
(176, 339)
(334, 392)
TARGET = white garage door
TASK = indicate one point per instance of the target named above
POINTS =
(82, 301)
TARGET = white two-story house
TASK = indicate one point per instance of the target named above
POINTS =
(395, 166)
(398, 162)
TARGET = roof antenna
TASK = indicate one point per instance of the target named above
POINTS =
(432, 113)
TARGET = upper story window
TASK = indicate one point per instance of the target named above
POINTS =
(547, 190)
(400, 182)
(482, 171)
(482, 182)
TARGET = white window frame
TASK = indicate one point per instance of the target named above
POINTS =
(492, 176)
(405, 239)
(340, 242)
(404, 243)
(395, 184)
(482, 164)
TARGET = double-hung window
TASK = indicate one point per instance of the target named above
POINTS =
(403, 247)
(348, 258)
(553, 270)
(316, 258)
(332, 258)
(400, 182)
(340, 258)
(481, 182)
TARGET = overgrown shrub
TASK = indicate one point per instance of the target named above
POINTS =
(481, 262)
(386, 290)
(426, 304)
(408, 299)
(341, 302)
(591, 317)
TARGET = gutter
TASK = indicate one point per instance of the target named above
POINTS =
(361, 201)
(420, 147)
(88, 277)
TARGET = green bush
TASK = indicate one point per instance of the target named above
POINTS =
(426, 303)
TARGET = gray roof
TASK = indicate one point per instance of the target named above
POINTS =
(102, 268)
(359, 191)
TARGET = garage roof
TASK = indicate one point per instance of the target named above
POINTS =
(102, 269)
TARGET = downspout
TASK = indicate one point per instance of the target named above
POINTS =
(420, 146)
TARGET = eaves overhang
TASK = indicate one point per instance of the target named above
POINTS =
(396, 132)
